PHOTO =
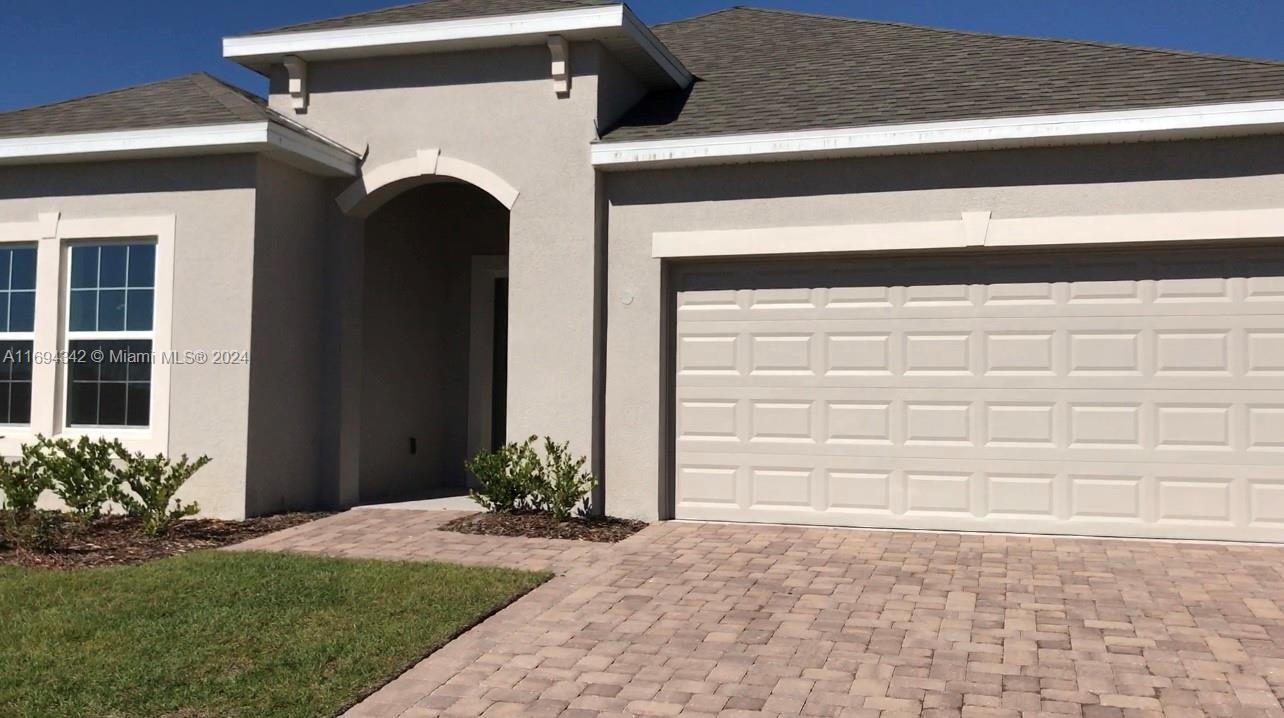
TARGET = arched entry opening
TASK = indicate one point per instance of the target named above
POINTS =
(433, 338)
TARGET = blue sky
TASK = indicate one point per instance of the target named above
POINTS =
(56, 49)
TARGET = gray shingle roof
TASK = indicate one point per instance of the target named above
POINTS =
(772, 71)
(769, 71)
(436, 10)
(187, 101)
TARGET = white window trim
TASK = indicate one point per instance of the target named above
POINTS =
(27, 234)
(161, 230)
(12, 436)
(69, 335)
(52, 237)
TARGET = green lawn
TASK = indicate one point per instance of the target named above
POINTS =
(229, 634)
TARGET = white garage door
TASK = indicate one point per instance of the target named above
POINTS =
(1089, 393)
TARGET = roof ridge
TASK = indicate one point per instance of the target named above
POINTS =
(1006, 36)
(711, 13)
(231, 97)
(338, 17)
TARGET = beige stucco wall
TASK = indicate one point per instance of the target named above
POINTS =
(495, 109)
(212, 200)
(1116, 179)
(287, 389)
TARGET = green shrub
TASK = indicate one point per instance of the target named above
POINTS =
(22, 481)
(564, 485)
(508, 478)
(515, 478)
(153, 481)
(22, 485)
(82, 473)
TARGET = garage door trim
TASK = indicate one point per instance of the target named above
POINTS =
(974, 229)
(676, 278)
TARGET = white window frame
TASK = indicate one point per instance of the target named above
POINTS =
(24, 234)
(53, 237)
(160, 230)
(69, 335)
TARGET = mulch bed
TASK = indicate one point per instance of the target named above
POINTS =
(118, 541)
(600, 530)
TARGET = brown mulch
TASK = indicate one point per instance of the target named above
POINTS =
(118, 541)
(600, 530)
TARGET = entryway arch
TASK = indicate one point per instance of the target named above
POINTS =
(380, 184)
(432, 336)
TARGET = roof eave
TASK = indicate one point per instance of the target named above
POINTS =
(1155, 124)
(301, 150)
(610, 24)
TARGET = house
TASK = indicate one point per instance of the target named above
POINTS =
(757, 265)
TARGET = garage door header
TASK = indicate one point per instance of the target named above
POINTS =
(973, 229)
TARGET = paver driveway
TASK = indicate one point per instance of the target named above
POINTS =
(705, 619)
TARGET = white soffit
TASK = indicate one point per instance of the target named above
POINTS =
(1032, 130)
(974, 229)
(611, 24)
(296, 148)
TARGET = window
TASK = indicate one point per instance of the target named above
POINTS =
(109, 334)
(17, 326)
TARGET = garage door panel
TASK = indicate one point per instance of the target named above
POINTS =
(1123, 395)
(1193, 426)
(1163, 351)
(951, 453)
(1118, 498)
(1202, 283)
(1263, 353)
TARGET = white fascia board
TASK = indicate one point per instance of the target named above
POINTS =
(177, 141)
(481, 31)
(127, 141)
(1134, 125)
(252, 47)
(642, 35)
(322, 154)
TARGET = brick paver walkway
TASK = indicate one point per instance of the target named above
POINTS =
(709, 619)
(400, 535)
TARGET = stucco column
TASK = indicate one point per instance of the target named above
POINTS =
(342, 450)
(551, 321)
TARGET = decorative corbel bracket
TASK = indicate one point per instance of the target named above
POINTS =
(560, 50)
(298, 72)
(48, 222)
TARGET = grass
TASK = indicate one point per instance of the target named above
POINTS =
(229, 634)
